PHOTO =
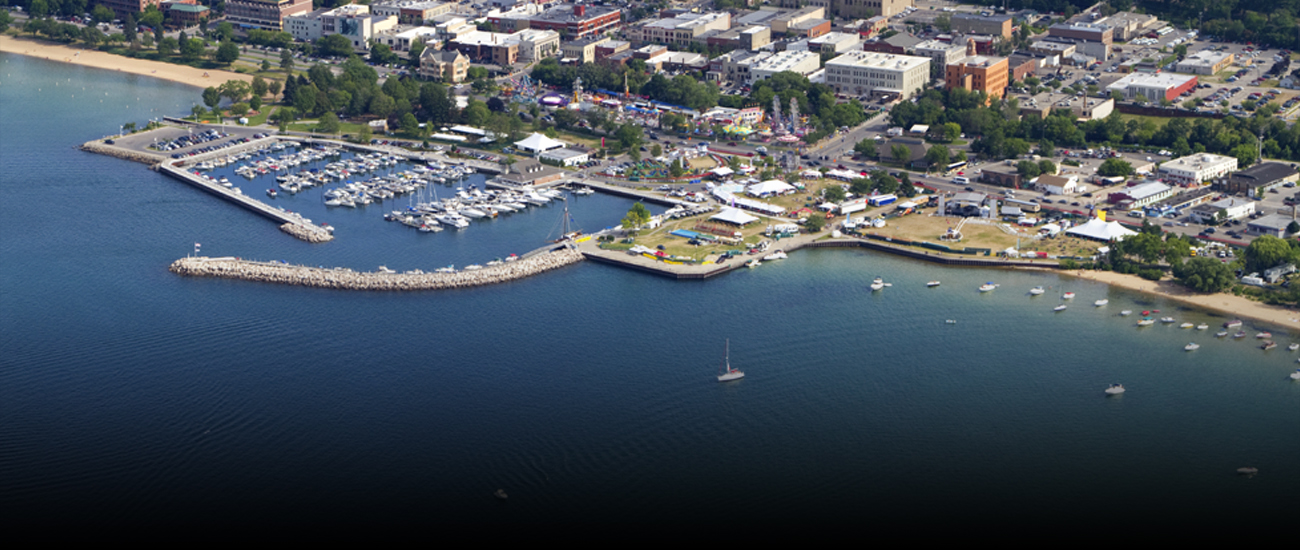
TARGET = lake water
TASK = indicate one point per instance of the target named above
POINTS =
(131, 398)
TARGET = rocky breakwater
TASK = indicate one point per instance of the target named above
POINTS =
(307, 232)
(346, 279)
(99, 147)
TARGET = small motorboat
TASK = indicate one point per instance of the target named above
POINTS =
(1186, 325)
(1295, 375)
(501, 494)
(1293, 347)
(986, 287)
(1221, 334)
(1101, 302)
(778, 255)
(1268, 345)
(1263, 335)
(1146, 322)
(951, 321)
(1247, 471)
(1059, 308)
(932, 284)
(1193, 346)
(1036, 291)
(879, 283)
(1166, 320)
(753, 263)
(1126, 313)
(1239, 334)
(1067, 296)
(1115, 389)
(1232, 324)
(1202, 326)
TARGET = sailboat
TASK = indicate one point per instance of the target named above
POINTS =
(728, 373)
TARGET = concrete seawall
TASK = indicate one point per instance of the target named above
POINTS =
(346, 279)
(290, 222)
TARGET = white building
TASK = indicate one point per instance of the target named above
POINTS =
(1142, 194)
(1205, 62)
(1058, 185)
(353, 21)
(941, 53)
(862, 73)
(1154, 87)
(535, 44)
(1198, 168)
(565, 156)
(1231, 207)
(401, 41)
(837, 42)
(803, 63)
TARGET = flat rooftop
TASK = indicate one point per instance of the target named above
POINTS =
(1153, 80)
(878, 60)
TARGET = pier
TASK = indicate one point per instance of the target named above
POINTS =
(346, 279)
(290, 222)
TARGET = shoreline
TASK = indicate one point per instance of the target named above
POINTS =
(1231, 305)
(181, 74)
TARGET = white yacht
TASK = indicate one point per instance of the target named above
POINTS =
(1126, 313)
(1192, 346)
(1036, 291)
(778, 255)
(1059, 308)
(1101, 302)
(1115, 389)
(1202, 326)
(1293, 347)
(1186, 325)
(987, 287)
(878, 284)
(725, 372)
(1221, 334)
(1146, 322)
(1166, 320)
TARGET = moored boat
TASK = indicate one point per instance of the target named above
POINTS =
(1067, 296)
(1186, 325)
(1059, 308)
(1146, 322)
(1263, 335)
(932, 284)
(1101, 302)
(1193, 346)
(1232, 324)
(726, 372)
(1202, 326)
(1036, 291)
(1115, 389)
(1126, 313)
(1268, 345)
(986, 287)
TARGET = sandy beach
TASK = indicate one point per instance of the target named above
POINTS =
(1235, 306)
(94, 58)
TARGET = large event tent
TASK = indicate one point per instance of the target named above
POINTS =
(733, 216)
(1101, 230)
(538, 143)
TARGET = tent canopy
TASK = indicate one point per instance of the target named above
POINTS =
(733, 215)
(1101, 231)
(538, 143)
(770, 187)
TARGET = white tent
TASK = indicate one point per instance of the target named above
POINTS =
(1101, 230)
(538, 143)
(723, 171)
(770, 187)
(733, 215)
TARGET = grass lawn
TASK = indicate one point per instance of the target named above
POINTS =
(344, 127)
(678, 245)
(585, 141)
(928, 228)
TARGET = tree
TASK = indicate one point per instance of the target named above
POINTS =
(236, 90)
(866, 148)
(5, 21)
(635, 154)
(1027, 169)
(191, 48)
(815, 222)
(364, 135)
(328, 124)
(1268, 251)
(129, 28)
(834, 193)
(951, 131)
(39, 9)
(334, 45)
(1046, 148)
(274, 88)
(151, 17)
(100, 14)
(417, 49)
(266, 65)
(1246, 155)
(409, 124)
(629, 135)
(239, 109)
(382, 54)
(901, 153)
(259, 87)
(255, 103)
(286, 61)
(675, 169)
(225, 31)
(90, 35)
(1293, 228)
(1114, 167)
(636, 217)
(1204, 275)
(283, 116)
(227, 52)
(937, 156)
(198, 111)
(1047, 167)
(211, 97)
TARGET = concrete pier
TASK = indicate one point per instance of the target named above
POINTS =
(347, 279)
(291, 222)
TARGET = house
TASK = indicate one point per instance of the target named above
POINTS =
(1058, 185)
(1001, 175)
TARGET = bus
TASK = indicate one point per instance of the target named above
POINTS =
(955, 166)
(1165, 31)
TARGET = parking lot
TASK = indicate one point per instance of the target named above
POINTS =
(145, 142)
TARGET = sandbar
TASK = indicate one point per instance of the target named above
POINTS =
(94, 58)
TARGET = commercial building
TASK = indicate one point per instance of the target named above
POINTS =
(412, 12)
(565, 156)
(352, 21)
(681, 30)
(803, 63)
(1128, 25)
(524, 46)
(979, 73)
(444, 65)
(1272, 224)
(1141, 195)
(574, 21)
(836, 42)
(781, 23)
(582, 51)
(185, 15)
(1091, 32)
(1258, 179)
(1057, 185)
(612, 47)
(1194, 169)
(941, 53)
(973, 23)
(735, 66)
(1153, 87)
(1231, 208)
(901, 43)
(878, 74)
(401, 40)
(1082, 107)
(1205, 62)
(134, 7)
(264, 14)
(1001, 175)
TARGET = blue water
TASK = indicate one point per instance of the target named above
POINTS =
(131, 398)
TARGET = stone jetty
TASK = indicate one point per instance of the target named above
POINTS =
(309, 233)
(347, 279)
(99, 147)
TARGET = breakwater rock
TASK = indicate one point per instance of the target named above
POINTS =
(346, 279)
(309, 233)
(99, 147)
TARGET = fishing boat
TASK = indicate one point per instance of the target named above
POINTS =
(1232, 324)
(986, 287)
(1067, 296)
(1101, 302)
(1115, 389)
(1193, 346)
(1036, 291)
(1263, 335)
(932, 284)
(1059, 308)
(726, 373)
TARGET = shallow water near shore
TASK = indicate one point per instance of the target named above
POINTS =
(131, 397)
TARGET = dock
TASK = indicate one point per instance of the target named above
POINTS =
(290, 222)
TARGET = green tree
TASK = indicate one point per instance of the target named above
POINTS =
(286, 61)
(225, 31)
(100, 14)
(1114, 167)
(226, 53)
(1246, 155)
(1047, 167)
(328, 124)
(236, 90)
(258, 87)
(211, 97)
(1293, 228)
(283, 116)
(675, 169)
(266, 65)
(834, 193)
(255, 103)
(382, 54)
(937, 156)
(657, 151)
(239, 109)
(198, 111)
(866, 148)
(409, 124)
(334, 45)
(1204, 275)
(1028, 169)
(274, 88)
(5, 21)
(413, 55)
(1268, 251)
(629, 136)
(166, 47)
(815, 222)
(636, 217)
(191, 48)
(951, 131)
(151, 17)
(39, 9)
(129, 28)
(901, 153)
